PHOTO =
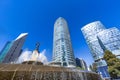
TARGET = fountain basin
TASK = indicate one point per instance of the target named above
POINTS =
(43, 72)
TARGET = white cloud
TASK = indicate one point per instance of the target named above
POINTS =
(26, 55)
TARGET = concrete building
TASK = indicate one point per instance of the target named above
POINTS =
(62, 47)
(13, 49)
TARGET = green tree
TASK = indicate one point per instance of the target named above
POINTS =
(113, 64)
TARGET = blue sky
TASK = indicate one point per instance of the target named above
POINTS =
(37, 17)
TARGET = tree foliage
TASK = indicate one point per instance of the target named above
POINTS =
(113, 64)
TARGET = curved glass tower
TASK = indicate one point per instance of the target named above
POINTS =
(90, 32)
(111, 40)
(62, 47)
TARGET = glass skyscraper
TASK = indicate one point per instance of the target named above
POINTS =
(111, 40)
(90, 32)
(12, 50)
(62, 47)
(4, 51)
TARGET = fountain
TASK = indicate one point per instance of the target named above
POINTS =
(43, 72)
(35, 70)
(34, 58)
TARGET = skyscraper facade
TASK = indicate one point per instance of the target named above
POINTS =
(4, 51)
(62, 47)
(111, 40)
(13, 49)
(90, 32)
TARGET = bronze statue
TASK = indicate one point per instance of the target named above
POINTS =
(37, 46)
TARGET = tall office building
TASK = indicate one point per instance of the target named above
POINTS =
(90, 32)
(12, 50)
(5, 50)
(62, 47)
(81, 63)
(110, 38)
